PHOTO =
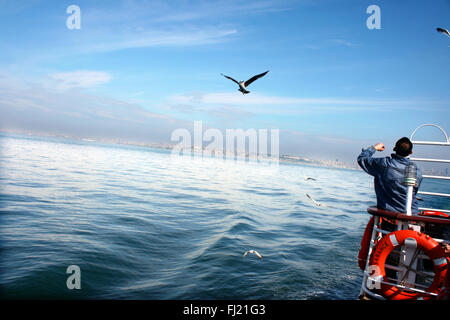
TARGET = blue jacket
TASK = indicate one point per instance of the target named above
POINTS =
(389, 173)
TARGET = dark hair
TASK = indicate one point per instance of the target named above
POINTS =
(403, 147)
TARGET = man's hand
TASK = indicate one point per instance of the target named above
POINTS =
(379, 146)
(447, 249)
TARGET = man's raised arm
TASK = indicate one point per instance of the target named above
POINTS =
(369, 164)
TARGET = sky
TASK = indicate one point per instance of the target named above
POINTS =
(138, 70)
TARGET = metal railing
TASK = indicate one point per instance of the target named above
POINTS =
(378, 233)
(432, 143)
(405, 221)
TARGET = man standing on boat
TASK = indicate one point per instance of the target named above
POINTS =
(389, 175)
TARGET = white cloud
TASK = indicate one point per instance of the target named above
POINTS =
(254, 99)
(80, 79)
(33, 107)
(258, 100)
(144, 39)
(213, 9)
(344, 42)
(330, 43)
(142, 11)
(143, 24)
(27, 105)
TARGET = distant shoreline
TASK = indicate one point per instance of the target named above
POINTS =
(294, 159)
(283, 158)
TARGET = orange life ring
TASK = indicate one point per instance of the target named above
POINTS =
(365, 243)
(445, 292)
(424, 242)
(432, 213)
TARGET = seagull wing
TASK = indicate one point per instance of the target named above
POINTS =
(315, 202)
(230, 78)
(253, 251)
(443, 31)
(247, 83)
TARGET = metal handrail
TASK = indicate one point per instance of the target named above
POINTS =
(434, 193)
(447, 140)
(404, 219)
(431, 209)
(375, 231)
(431, 160)
(433, 143)
(435, 177)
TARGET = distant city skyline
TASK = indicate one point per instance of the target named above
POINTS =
(427, 168)
(138, 70)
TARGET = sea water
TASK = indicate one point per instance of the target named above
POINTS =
(141, 223)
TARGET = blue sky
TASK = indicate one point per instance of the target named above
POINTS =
(138, 69)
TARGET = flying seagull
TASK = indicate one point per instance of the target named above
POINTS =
(253, 251)
(310, 178)
(444, 31)
(244, 84)
(315, 202)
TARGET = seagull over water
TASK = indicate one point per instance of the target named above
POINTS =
(310, 178)
(315, 202)
(253, 251)
(444, 31)
(244, 84)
